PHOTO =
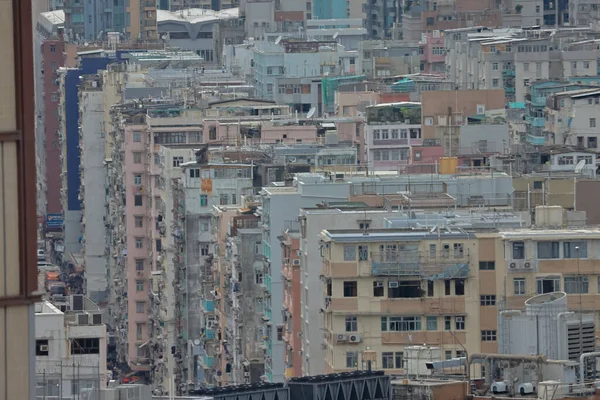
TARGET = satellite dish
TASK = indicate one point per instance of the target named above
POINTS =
(335, 35)
(197, 342)
(579, 166)
(278, 40)
(311, 112)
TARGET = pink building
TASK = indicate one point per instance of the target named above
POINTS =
(433, 54)
(53, 58)
(139, 241)
(292, 290)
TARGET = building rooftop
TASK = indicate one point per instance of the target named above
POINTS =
(196, 15)
(386, 235)
(558, 233)
(56, 17)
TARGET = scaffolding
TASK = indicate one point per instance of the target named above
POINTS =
(445, 264)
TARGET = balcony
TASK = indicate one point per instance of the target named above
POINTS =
(208, 306)
(508, 72)
(431, 265)
(207, 361)
(536, 140)
(209, 333)
(538, 122)
(509, 89)
(267, 283)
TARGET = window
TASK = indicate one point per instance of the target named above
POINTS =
(350, 289)
(447, 287)
(139, 243)
(387, 360)
(280, 333)
(519, 286)
(574, 64)
(351, 324)
(223, 199)
(487, 265)
(547, 284)
(139, 264)
(177, 161)
(137, 137)
(137, 157)
(85, 346)
(52, 49)
(204, 249)
(575, 249)
(139, 221)
(592, 122)
(460, 354)
(259, 278)
(495, 82)
(459, 323)
(399, 358)
(518, 250)
(547, 250)
(351, 359)
(430, 288)
(448, 354)
(404, 289)
(495, 66)
(431, 324)
(139, 286)
(401, 324)
(378, 289)
(447, 323)
(586, 64)
(349, 253)
(140, 307)
(459, 287)
(576, 284)
(54, 97)
(137, 200)
(203, 200)
(194, 172)
(41, 347)
(488, 336)
(525, 66)
(137, 179)
(363, 253)
(139, 331)
(487, 300)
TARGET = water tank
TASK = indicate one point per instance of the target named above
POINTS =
(526, 388)
(448, 165)
(547, 304)
(499, 387)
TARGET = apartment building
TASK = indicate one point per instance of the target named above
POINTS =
(203, 187)
(17, 165)
(514, 58)
(141, 23)
(70, 348)
(92, 194)
(291, 332)
(386, 289)
(432, 53)
(390, 132)
(571, 118)
(446, 112)
(52, 59)
(385, 58)
(245, 296)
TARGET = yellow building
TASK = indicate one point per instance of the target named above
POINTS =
(388, 289)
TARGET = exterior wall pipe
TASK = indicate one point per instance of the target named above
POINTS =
(559, 335)
(582, 365)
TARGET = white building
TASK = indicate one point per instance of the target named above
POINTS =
(92, 192)
(480, 58)
(70, 347)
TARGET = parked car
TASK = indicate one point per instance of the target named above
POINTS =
(41, 255)
(43, 265)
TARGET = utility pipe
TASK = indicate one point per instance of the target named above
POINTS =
(582, 363)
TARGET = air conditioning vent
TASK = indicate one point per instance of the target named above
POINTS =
(44, 347)
(527, 265)
(340, 337)
(97, 319)
(378, 284)
(513, 265)
(393, 284)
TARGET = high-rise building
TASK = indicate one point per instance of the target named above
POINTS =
(18, 203)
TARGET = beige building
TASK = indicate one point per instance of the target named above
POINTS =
(385, 290)
(142, 24)
(18, 274)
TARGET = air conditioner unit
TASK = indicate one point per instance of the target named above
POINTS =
(296, 262)
(340, 337)
(44, 347)
(460, 319)
(354, 338)
(393, 284)
(378, 284)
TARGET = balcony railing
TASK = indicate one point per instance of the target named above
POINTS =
(453, 263)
